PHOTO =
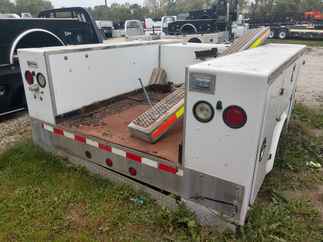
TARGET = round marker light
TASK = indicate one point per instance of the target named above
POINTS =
(203, 111)
(29, 77)
(235, 117)
(41, 80)
(109, 162)
(132, 171)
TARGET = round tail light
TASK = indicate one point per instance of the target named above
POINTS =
(132, 171)
(109, 162)
(29, 77)
(235, 117)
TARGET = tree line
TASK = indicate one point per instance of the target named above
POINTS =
(19, 6)
(158, 8)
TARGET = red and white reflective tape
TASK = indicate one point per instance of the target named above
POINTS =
(110, 149)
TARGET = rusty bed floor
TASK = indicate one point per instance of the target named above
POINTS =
(110, 122)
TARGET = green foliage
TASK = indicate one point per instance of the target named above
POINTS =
(311, 118)
(120, 12)
(180, 220)
(42, 199)
(295, 6)
(32, 6)
(283, 220)
(6, 6)
(19, 6)
(281, 7)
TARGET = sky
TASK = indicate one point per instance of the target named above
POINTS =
(88, 3)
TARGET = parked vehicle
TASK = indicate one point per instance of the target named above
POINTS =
(85, 115)
(292, 26)
(152, 26)
(314, 15)
(57, 27)
(216, 19)
(119, 30)
(26, 15)
(106, 28)
(8, 15)
(134, 28)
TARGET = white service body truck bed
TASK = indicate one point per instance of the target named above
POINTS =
(216, 157)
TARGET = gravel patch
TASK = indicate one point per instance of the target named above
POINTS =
(14, 129)
(310, 85)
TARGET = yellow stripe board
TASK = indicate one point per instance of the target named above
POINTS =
(260, 40)
(256, 43)
(180, 112)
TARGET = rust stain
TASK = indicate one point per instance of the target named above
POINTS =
(110, 123)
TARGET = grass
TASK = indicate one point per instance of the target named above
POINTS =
(309, 43)
(41, 199)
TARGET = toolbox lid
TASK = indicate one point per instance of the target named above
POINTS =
(260, 61)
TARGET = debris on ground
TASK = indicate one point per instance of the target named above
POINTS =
(138, 200)
(314, 165)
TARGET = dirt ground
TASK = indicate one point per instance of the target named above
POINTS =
(310, 84)
(309, 92)
(13, 129)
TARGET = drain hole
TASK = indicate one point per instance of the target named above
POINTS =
(88, 154)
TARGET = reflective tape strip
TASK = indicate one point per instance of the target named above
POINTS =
(92, 143)
(167, 168)
(169, 122)
(106, 148)
(150, 163)
(119, 152)
(133, 157)
(58, 132)
(69, 135)
(127, 155)
(79, 138)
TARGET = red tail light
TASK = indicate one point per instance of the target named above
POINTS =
(235, 117)
(29, 77)
(109, 162)
(132, 171)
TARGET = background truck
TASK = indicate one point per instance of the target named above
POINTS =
(307, 25)
(219, 18)
(106, 28)
(58, 27)
(81, 112)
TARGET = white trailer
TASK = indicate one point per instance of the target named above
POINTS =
(82, 98)
(214, 38)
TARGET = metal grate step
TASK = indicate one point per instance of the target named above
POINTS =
(247, 40)
(152, 115)
(156, 121)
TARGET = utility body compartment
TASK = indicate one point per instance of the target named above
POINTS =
(216, 157)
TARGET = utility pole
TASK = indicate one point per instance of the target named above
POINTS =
(106, 3)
